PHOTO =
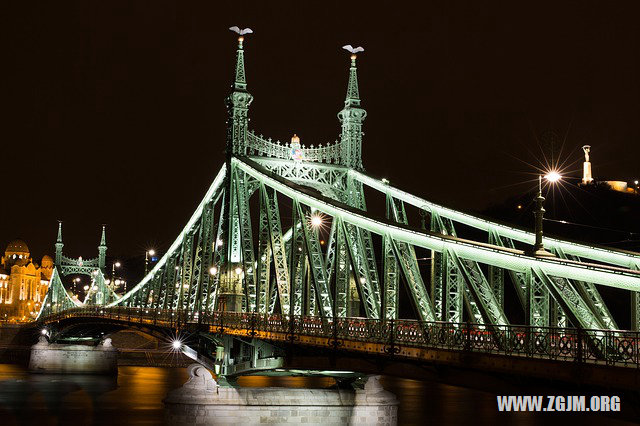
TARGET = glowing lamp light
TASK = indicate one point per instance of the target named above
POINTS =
(316, 221)
(176, 344)
(152, 252)
(553, 176)
(86, 287)
(238, 270)
(44, 331)
(117, 264)
(213, 270)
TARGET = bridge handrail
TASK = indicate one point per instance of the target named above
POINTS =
(611, 347)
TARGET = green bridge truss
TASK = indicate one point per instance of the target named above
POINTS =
(253, 245)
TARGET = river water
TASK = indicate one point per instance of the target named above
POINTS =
(135, 398)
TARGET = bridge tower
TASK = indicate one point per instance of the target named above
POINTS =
(238, 103)
(102, 250)
(232, 273)
(59, 245)
(351, 118)
(67, 265)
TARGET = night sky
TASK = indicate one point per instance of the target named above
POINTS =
(113, 112)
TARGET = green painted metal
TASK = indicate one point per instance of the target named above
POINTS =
(291, 272)
(277, 248)
(316, 263)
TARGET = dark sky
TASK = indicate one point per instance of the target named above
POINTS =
(112, 112)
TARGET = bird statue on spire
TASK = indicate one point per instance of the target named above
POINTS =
(241, 32)
(353, 50)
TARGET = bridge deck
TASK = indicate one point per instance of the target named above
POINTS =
(403, 338)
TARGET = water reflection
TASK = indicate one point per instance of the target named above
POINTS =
(135, 398)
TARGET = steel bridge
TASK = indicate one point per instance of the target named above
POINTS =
(282, 248)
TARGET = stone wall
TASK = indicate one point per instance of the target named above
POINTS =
(202, 402)
(73, 359)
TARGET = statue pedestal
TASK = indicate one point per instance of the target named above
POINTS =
(73, 359)
(202, 401)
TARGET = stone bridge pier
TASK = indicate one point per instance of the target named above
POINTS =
(202, 401)
(73, 359)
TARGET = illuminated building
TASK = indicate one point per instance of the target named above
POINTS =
(23, 283)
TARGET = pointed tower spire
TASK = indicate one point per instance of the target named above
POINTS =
(240, 82)
(238, 101)
(352, 116)
(102, 250)
(59, 244)
(103, 238)
(353, 94)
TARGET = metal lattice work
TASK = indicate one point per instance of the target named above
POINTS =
(230, 258)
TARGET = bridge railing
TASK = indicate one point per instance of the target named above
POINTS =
(620, 348)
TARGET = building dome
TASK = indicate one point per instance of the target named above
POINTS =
(17, 247)
(47, 262)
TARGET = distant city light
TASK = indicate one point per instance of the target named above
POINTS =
(553, 176)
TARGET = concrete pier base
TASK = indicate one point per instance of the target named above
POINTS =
(201, 401)
(73, 359)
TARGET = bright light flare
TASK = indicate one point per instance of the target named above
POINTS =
(176, 344)
(44, 332)
(316, 221)
(553, 176)
(152, 252)
(213, 270)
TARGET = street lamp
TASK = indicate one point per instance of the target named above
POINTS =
(552, 177)
(114, 265)
(316, 221)
(75, 284)
(148, 253)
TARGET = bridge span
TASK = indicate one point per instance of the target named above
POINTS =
(400, 347)
(283, 249)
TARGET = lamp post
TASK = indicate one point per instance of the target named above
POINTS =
(538, 247)
(146, 259)
(114, 265)
(539, 215)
